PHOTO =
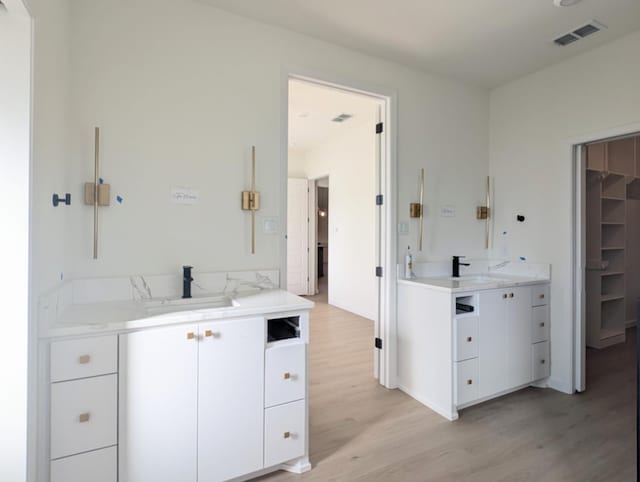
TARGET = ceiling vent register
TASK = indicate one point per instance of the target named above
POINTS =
(579, 33)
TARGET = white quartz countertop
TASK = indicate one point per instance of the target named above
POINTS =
(473, 282)
(119, 316)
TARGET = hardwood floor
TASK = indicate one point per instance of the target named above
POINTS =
(359, 431)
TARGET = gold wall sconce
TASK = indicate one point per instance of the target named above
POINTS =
(483, 213)
(416, 210)
(96, 193)
(251, 200)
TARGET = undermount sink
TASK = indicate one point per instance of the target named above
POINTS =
(170, 305)
(477, 279)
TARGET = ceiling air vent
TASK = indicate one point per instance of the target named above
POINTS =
(342, 118)
(580, 33)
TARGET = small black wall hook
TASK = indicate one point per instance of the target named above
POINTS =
(64, 200)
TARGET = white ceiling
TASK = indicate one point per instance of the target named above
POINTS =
(312, 106)
(485, 42)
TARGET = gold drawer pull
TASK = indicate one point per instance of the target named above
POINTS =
(469, 382)
(84, 359)
(469, 339)
(210, 333)
(191, 335)
(287, 435)
(84, 417)
(287, 376)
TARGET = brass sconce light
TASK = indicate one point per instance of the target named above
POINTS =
(251, 200)
(416, 210)
(96, 193)
(484, 213)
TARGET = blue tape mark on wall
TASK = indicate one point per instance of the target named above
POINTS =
(522, 258)
(119, 199)
(100, 180)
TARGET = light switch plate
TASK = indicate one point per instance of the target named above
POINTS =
(448, 211)
(181, 195)
(403, 228)
(270, 226)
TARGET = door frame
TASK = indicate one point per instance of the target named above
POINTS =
(578, 247)
(385, 366)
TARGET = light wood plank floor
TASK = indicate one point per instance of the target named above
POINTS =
(359, 431)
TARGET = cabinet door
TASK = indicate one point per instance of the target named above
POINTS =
(492, 343)
(230, 399)
(158, 405)
(519, 336)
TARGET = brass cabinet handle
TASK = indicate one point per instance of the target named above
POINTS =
(84, 417)
(469, 339)
(470, 382)
(211, 333)
(191, 335)
(84, 359)
(287, 376)
(286, 435)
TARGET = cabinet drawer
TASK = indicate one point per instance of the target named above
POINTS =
(96, 466)
(284, 433)
(86, 357)
(466, 381)
(465, 333)
(540, 328)
(539, 295)
(83, 415)
(540, 360)
(285, 374)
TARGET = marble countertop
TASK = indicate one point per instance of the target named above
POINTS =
(470, 282)
(119, 316)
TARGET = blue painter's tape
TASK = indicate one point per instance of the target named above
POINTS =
(119, 199)
(100, 180)
(522, 258)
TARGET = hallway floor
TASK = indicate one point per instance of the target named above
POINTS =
(360, 431)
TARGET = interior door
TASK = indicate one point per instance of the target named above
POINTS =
(230, 399)
(158, 405)
(298, 236)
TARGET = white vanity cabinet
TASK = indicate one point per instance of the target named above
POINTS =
(501, 345)
(206, 401)
(191, 402)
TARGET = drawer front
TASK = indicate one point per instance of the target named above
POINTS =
(96, 466)
(539, 295)
(540, 359)
(540, 328)
(466, 381)
(83, 415)
(285, 374)
(86, 357)
(466, 338)
(284, 433)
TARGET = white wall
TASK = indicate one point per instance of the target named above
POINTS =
(182, 90)
(532, 120)
(15, 93)
(349, 161)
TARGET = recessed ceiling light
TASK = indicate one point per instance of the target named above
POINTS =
(565, 3)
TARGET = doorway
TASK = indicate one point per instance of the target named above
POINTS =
(607, 262)
(337, 148)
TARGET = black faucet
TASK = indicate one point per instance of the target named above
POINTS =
(186, 281)
(456, 266)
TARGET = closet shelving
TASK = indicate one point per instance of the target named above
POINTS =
(612, 177)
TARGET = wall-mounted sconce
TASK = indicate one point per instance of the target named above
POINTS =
(416, 210)
(96, 193)
(251, 200)
(484, 213)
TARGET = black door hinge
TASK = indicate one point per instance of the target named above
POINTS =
(378, 343)
(379, 200)
(379, 271)
(379, 127)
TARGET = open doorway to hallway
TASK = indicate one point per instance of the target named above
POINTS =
(333, 222)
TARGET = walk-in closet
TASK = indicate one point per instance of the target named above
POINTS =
(612, 238)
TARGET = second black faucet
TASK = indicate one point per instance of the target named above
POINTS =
(186, 281)
(455, 269)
